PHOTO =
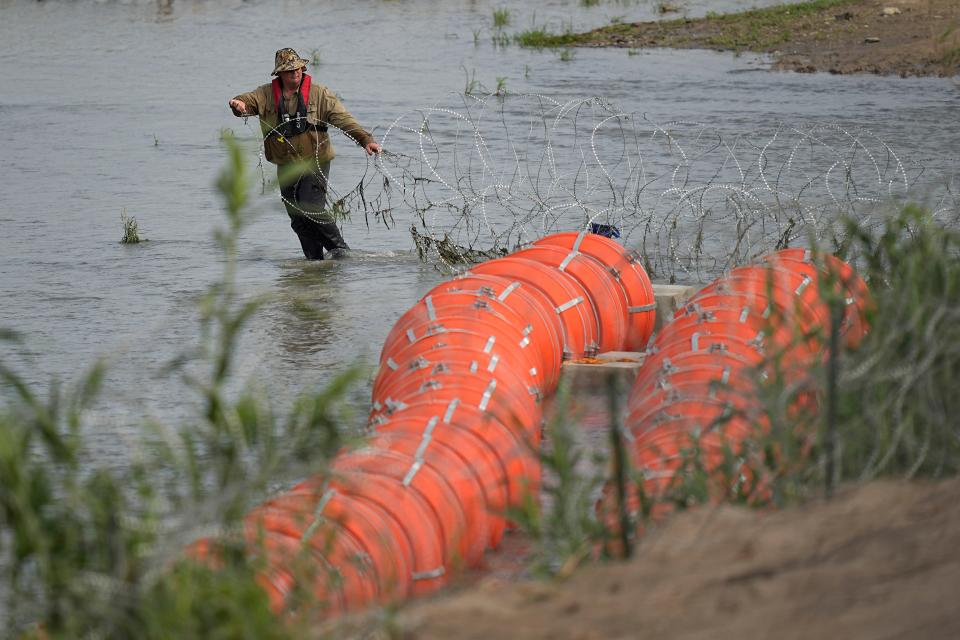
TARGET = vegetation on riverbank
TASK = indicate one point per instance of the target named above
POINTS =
(904, 37)
(753, 30)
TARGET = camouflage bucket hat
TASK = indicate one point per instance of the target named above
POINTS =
(287, 60)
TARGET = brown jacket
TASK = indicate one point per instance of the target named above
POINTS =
(322, 108)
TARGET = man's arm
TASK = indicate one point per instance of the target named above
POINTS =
(338, 116)
(247, 104)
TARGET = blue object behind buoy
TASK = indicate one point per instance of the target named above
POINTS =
(605, 230)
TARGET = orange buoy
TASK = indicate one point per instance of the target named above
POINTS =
(484, 349)
(607, 297)
(317, 517)
(467, 490)
(430, 486)
(529, 303)
(483, 394)
(472, 456)
(434, 310)
(627, 271)
(567, 296)
(408, 512)
(515, 449)
(506, 338)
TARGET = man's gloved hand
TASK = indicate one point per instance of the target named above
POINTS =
(239, 107)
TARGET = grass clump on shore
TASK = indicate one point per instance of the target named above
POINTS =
(540, 38)
(753, 30)
(898, 406)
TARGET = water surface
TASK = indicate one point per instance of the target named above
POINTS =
(119, 106)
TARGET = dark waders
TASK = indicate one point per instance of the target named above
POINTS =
(306, 201)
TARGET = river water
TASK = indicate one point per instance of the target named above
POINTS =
(119, 106)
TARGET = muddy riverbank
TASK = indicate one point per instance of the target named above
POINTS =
(886, 37)
(879, 560)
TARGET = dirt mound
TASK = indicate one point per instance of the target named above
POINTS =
(877, 561)
(901, 37)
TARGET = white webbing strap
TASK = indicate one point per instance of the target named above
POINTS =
(570, 304)
(566, 261)
(448, 416)
(513, 286)
(803, 285)
(425, 440)
(473, 367)
(489, 346)
(414, 468)
(488, 392)
(579, 240)
(744, 314)
(493, 363)
(431, 311)
(411, 336)
(695, 342)
(392, 364)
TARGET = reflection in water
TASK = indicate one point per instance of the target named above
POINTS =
(306, 303)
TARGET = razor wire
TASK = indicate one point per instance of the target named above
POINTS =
(479, 176)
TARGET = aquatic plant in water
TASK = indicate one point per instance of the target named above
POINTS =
(131, 232)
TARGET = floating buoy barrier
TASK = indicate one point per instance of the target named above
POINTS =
(631, 277)
(455, 421)
(697, 387)
(568, 300)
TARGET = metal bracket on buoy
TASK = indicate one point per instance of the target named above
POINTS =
(428, 575)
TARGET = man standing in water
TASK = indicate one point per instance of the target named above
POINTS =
(294, 115)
